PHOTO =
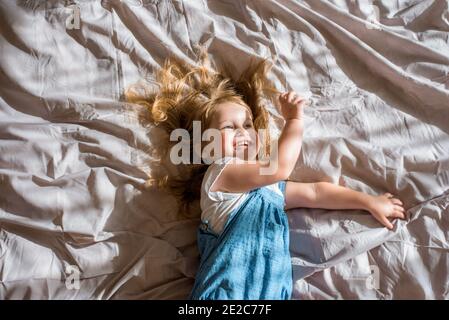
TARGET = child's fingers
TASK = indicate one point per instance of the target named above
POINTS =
(298, 100)
(398, 214)
(282, 96)
(291, 95)
(396, 201)
(386, 222)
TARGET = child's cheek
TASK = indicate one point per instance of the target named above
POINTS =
(226, 143)
(255, 137)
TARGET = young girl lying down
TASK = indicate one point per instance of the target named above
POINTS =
(243, 188)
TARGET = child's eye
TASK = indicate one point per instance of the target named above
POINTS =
(228, 127)
(249, 125)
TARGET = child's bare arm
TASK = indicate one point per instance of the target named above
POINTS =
(290, 141)
(245, 176)
(326, 195)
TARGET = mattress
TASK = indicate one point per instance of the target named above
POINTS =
(77, 220)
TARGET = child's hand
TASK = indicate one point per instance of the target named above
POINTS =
(291, 105)
(386, 206)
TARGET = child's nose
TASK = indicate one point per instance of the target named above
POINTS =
(242, 131)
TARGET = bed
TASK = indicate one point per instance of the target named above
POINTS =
(76, 218)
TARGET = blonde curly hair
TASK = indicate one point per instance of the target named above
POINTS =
(187, 93)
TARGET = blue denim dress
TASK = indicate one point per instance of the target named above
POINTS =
(250, 259)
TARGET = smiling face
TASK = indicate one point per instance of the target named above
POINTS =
(238, 135)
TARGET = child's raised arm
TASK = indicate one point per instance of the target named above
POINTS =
(245, 176)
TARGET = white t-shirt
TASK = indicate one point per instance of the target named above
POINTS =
(217, 206)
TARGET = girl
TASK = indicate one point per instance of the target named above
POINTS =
(243, 237)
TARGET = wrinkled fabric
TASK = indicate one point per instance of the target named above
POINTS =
(250, 259)
(74, 158)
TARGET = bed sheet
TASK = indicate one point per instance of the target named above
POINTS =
(74, 158)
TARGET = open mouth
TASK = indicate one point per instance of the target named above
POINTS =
(241, 144)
